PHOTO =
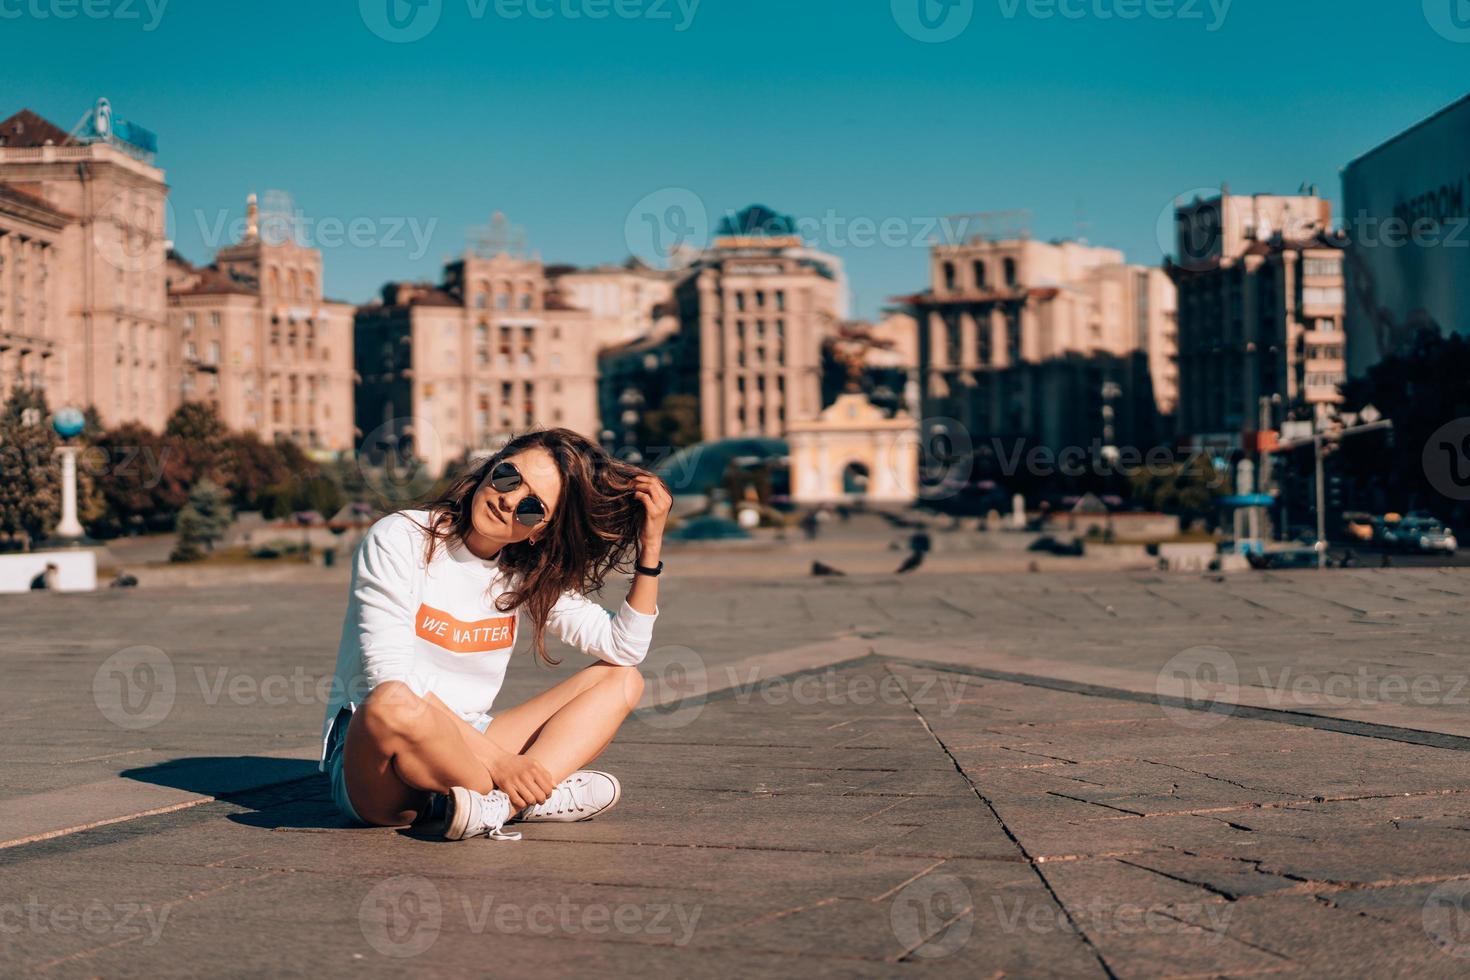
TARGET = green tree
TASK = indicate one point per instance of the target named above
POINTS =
(255, 467)
(202, 522)
(1189, 489)
(196, 437)
(30, 474)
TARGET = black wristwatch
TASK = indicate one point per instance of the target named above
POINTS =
(650, 572)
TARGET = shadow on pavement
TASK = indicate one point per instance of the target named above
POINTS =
(277, 793)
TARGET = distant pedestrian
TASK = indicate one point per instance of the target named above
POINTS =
(919, 545)
(811, 524)
(46, 581)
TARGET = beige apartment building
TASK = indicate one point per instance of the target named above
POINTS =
(1062, 344)
(461, 367)
(1261, 309)
(255, 338)
(625, 302)
(753, 313)
(102, 333)
(30, 322)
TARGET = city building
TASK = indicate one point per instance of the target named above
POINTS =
(461, 367)
(255, 338)
(31, 318)
(753, 311)
(1055, 344)
(1261, 309)
(626, 302)
(883, 357)
(1408, 210)
(105, 321)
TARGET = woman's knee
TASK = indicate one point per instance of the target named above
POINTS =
(392, 708)
(629, 680)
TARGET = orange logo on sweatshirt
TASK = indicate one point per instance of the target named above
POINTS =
(458, 636)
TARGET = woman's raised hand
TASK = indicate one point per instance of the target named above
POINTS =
(657, 502)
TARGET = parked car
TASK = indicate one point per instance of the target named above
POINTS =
(1426, 536)
(1357, 526)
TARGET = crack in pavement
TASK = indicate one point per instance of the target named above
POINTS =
(1005, 828)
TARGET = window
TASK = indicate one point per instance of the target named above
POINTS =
(526, 302)
(760, 299)
(1322, 296)
(949, 276)
(1010, 272)
(214, 320)
(1321, 267)
(740, 302)
(214, 352)
(979, 274)
(781, 299)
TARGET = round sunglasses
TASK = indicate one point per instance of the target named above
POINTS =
(505, 478)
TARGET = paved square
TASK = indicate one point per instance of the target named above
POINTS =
(1096, 774)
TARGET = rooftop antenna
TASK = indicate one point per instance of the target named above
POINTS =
(279, 219)
(499, 236)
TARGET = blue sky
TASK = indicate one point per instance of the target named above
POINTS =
(1087, 117)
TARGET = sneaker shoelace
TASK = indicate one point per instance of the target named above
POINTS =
(564, 798)
(491, 812)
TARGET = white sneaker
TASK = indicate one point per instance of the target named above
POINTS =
(581, 796)
(474, 814)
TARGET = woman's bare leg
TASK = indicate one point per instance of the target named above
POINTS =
(568, 726)
(399, 749)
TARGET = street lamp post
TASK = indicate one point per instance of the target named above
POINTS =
(68, 424)
(1317, 442)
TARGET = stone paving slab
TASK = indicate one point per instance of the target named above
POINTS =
(940, 775)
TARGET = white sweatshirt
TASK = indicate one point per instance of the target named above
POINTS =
(436, 628)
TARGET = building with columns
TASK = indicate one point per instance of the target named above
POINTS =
(1261, 310)
(254, 337)
(30, 314)
(103, 339)
(461, 367)
(1059, 344)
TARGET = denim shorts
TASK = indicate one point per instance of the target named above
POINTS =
(337, 750)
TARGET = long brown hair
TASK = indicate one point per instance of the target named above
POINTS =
(593, 532)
